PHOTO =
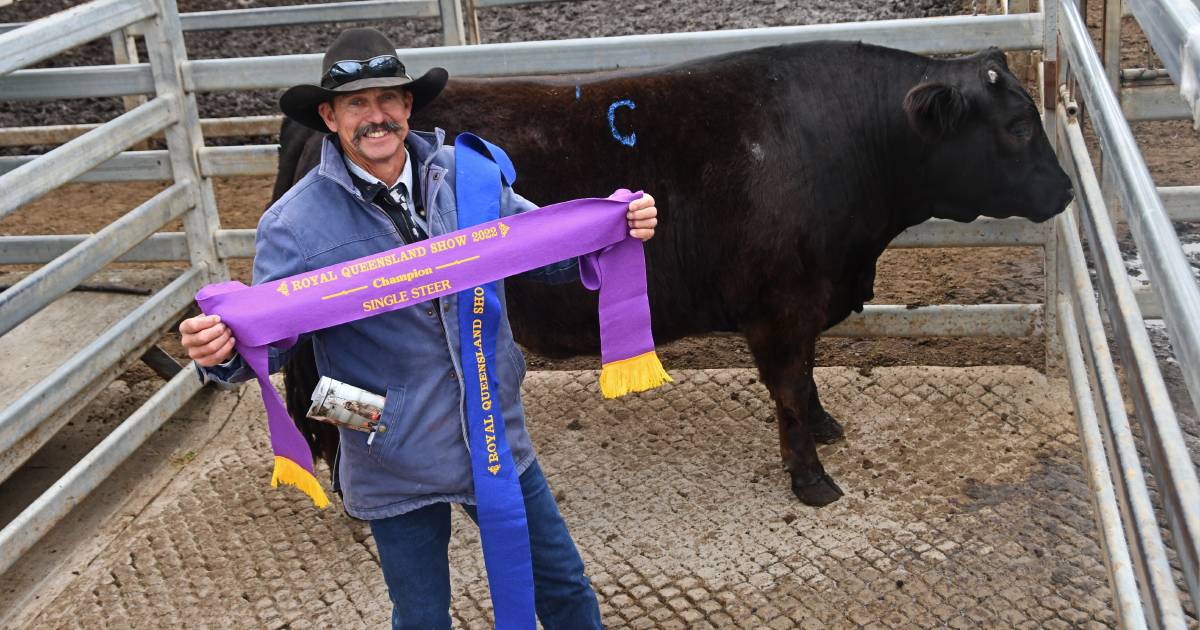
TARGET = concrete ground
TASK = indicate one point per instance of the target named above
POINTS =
(965, 506)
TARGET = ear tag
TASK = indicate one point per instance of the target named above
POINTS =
(992, 76)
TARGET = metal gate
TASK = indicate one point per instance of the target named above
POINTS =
(1144, 583)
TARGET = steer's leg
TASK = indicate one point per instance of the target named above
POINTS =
(784, 351)
(825, 428)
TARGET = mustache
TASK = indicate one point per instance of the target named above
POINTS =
(388, 126)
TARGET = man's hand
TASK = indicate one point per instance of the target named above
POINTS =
(207, 340)
(642, 217)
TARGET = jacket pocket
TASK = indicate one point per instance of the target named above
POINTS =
(390, 425)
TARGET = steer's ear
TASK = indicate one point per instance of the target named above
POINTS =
(934, 110)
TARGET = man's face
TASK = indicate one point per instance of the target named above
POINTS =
(370, 123)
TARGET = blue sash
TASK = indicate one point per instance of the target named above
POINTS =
(479, 166)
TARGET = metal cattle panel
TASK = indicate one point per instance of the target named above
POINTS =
(307, 14)
(23, 532)
(212, 127)
(924, 35)
(36, 407)
(63, 164)
(1108, 513)
(1139, 519)
(1173, 28)
(35, 291)
(18, 250)
(1171, 280)
(42, 410)
(1171, 276)
(130, 166)
(77, 82)
(164, 43)
(68, 29)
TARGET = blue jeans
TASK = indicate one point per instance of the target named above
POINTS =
(413, 555)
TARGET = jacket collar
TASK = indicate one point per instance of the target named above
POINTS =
(422, 148)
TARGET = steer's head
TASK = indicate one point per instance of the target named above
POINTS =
(982, 149)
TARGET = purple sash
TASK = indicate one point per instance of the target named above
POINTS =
(277, 312)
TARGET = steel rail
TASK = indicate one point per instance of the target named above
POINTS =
(1150, 557)
(239, 243)
(943, 320)
(73, 376)
(953, 34)
(67, 29)
(33, 292)
(47, 172)
(939, 35)
(1169, 270)
(1128, 609)
(1173, 28)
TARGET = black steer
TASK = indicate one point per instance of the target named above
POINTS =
(780, 173)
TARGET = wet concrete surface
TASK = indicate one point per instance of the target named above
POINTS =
(965, 506)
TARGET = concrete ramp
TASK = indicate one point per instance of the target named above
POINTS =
(965, 507)
(41, 344)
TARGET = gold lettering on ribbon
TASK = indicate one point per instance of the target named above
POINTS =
(287, 287)
(485, 396)
(448, 243)
(379, 283)
(391, 299)
(405, 255)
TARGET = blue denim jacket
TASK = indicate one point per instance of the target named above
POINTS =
(411, 355)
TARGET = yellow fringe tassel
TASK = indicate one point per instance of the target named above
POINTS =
(291, 473)
(635, 374)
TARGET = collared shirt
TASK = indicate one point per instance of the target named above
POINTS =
(406, 178)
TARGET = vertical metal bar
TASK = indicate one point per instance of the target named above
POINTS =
(1021, 62)
(125, 52)
(1130, 614)
(1110, 44)
(453, 32)
(165, 47)
(1048, 70)
(471, 18)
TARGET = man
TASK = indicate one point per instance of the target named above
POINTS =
(380, 186)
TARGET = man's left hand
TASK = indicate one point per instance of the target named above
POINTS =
(642, 217)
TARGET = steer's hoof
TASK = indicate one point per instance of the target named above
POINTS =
(818, 493)
(826, 429)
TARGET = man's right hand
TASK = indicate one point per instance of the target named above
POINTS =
(207, 340)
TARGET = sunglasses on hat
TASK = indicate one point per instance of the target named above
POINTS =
(343, 72)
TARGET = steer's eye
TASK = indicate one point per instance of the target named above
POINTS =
(1021, 128)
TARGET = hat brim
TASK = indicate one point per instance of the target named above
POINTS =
(300, 101)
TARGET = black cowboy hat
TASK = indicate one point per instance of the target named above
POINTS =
(358, 59)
